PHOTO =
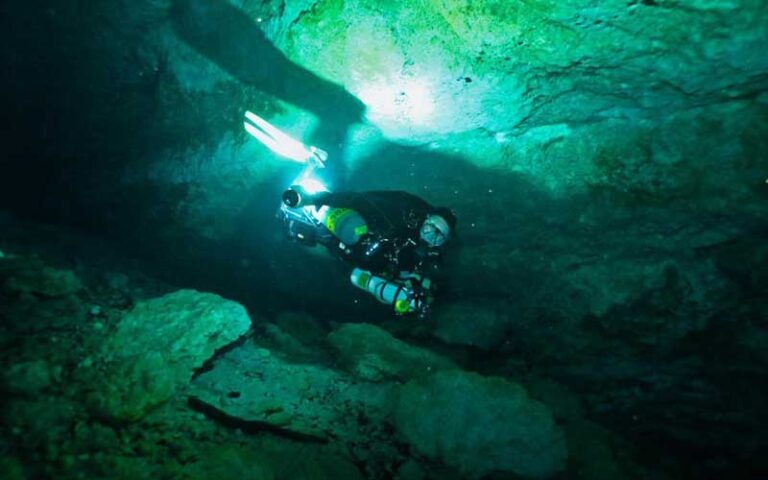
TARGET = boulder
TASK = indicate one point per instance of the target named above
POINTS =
(27, 378)
(594, 452)
(296, 335)
(480, 425)
(371, 353)
(251, 389)
(29, 274)
(157, 347)
(472, 324)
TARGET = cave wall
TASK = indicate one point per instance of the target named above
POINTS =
(131, 111)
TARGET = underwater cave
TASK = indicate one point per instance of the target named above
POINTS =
(403, 239)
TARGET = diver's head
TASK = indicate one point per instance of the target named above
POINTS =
(436, 229)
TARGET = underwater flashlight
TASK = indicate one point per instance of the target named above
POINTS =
(281, 143)
(302, 190)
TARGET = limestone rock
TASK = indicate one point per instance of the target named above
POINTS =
(157, 347)
(326, 463)
(256, 391)
(41, 420)
(594, 452)
(372, 354)
(24, 274)
(480, 425)
(297, 335)
(229, 461)
(301, 326)
(27, 378)
(259, 391)
(473, 324)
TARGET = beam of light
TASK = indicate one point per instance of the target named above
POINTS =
(379, 98)
(280, 143)
(408, 99)
(311, 185)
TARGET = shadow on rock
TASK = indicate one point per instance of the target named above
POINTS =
(233, 41)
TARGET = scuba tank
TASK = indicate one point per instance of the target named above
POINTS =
(346, 224)
(402, 297)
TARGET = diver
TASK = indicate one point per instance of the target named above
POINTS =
(395, 240)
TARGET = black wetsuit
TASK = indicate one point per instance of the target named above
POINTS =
(391, 245)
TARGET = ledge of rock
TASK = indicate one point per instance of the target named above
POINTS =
(371, 353)
(480, 425)
(253, 389)
(157, 347)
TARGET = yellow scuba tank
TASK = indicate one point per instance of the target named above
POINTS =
(345, 224)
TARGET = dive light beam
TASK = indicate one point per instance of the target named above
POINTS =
(277, 141)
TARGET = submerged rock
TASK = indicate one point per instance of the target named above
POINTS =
(41, 424)
(257, 391)
(372, 354)
(472, 324)
(606, 160)
(480, 425)
(252, 389)
(229, 461)
(23, 274)
(28, 378)
(594, 453)
(325, 462)
(157, 347)
(297, 335)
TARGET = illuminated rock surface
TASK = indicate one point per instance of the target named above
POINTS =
(156, 348)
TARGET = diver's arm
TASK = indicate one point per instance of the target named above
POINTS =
(297, 196)
(334, 199)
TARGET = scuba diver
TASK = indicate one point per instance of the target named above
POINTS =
(394, 240)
